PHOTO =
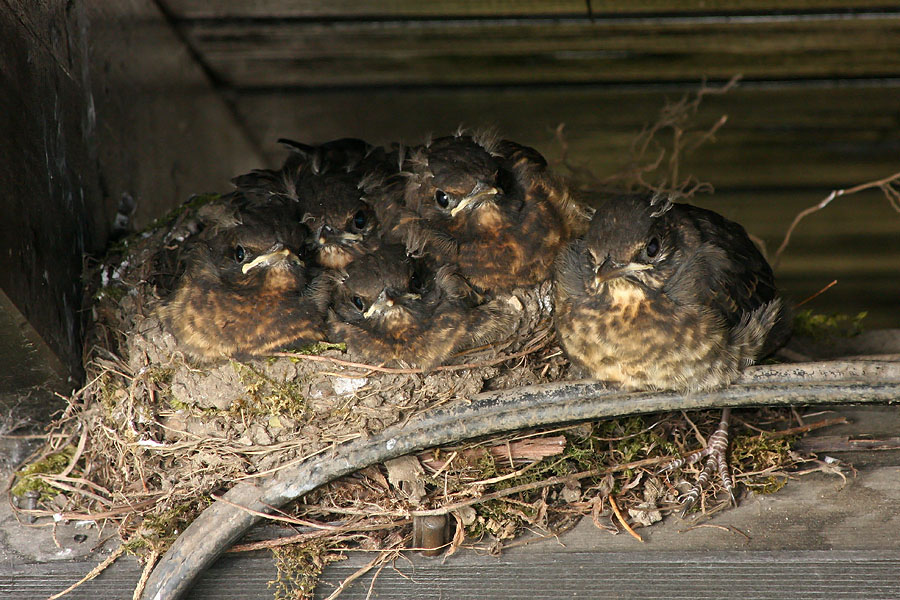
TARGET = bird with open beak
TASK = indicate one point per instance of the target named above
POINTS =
(486, 206)
(666, 296)
(391, 308)
(244, 289)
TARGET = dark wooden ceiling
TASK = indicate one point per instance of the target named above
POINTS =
(342, 50)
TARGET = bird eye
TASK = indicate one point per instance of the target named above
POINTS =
(360, 219)
(239, 253)
(357, 302)
(441, 198)
(652, 248)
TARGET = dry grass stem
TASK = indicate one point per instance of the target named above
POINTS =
(817, 294)
(383, 558)
(890, 186)
(119, 551)
(628, 528)
(145, 574)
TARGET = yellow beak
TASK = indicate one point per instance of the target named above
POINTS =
(270, 258)
(477, 194)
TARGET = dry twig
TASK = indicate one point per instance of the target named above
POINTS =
(890, 186)
(93, 573)
(628, 528)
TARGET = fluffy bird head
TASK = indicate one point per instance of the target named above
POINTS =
(629, 243)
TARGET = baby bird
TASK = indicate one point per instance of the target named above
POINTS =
(667, 296)
(489, 207)
(390, 308)
(345, 154)
(344, 226)
(327, 182)
(243, 292)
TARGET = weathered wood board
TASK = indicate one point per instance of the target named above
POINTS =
(284, 53)
(111, 99)
(194, 9)
(101, 102)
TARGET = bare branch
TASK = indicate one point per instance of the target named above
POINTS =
(888, 185)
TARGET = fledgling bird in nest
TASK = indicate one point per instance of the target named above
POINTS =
(243, 292)
(345, 154)
(389, 307)
(666, 296)
(327, 181)
(343, 225)
(489, 207)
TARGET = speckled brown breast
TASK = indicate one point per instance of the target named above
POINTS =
(211, 321)
(498, 252)
(637, 342)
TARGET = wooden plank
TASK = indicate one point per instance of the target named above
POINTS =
(670, 575)
(146, 118)
(749, 575)
(89, 117)
(855, 241)
(50, 201)
(815, 525)
(439, 52)
(469, 8)
(30, 369)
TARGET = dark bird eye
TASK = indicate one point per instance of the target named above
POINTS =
(441, 198)
(360, 219)
(652, 247)
(239, 253)
(357, 302)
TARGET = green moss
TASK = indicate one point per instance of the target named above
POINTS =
(486, 466)
(110, 390)
(580, 456)
(824, 326)
(631, 441)
(177, 405)
(28, 480)
(299, 567)
(317, 349)
(269, 396)
(161, 376)
(114, 292)
(495, 518)
(192, 204)
(158, 531)
(760, 452)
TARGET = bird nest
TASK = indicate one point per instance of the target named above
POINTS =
(152, 436)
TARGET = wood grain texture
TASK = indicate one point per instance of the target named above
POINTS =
(667, 575)
(496, 51)
(470, 8)
(815, 525)
(89, 117)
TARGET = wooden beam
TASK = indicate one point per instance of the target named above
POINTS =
(495, 8)
(305, 54)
